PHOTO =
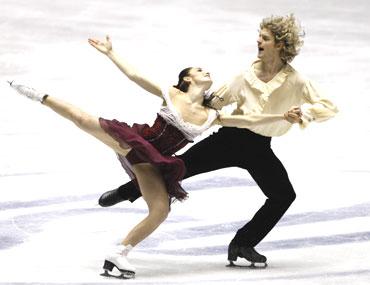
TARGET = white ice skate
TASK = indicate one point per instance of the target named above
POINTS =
(118, 260)
(28, 91)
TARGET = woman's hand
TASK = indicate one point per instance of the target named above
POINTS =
(293, 115)
(103, 47)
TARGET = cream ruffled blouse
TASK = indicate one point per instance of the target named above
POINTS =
(288, 88)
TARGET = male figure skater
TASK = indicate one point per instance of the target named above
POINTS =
(271, 86)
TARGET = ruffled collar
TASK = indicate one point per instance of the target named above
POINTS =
(266, 88)
(170, 114)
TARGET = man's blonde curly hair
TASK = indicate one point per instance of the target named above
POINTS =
(286, 30)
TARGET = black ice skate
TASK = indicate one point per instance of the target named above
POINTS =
(111, 198)
(249, 253)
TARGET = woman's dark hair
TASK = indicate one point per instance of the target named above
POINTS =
(182, 84)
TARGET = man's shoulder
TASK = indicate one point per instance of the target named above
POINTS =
(296, 76)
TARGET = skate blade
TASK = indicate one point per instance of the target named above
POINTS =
(124, 275)
(253, 265)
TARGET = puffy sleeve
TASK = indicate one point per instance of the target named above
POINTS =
(226, 95)
(316, 107)
(247, 121)
(166, 89)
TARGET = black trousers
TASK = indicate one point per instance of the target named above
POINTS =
(241, 148)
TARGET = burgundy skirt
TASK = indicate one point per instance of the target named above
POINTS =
(155, 145)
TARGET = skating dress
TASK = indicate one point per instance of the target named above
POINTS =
(156, 144)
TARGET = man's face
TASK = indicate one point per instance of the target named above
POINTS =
(267, 49)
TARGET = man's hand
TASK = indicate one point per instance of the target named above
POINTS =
(293, 115)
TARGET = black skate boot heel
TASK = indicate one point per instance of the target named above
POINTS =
(124, 273)
(250, 254)
(108, 265)
(257, 260)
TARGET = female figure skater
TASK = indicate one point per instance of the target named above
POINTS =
(146, 152)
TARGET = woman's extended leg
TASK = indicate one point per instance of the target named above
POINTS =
(84, 121)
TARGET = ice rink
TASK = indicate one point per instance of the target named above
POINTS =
(51, 174)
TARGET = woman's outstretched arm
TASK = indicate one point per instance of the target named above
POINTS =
(129, 71)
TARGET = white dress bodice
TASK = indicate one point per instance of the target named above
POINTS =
(190, 131)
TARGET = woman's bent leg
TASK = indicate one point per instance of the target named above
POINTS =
(155, 195)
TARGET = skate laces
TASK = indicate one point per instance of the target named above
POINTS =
(24, 90)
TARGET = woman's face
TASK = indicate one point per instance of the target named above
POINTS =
(267, 48)
(200, 76)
